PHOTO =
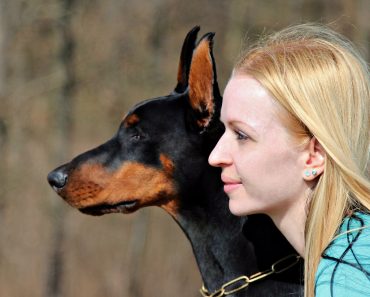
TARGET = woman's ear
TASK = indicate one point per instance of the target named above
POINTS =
(315, 160)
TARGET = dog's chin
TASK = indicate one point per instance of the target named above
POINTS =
(101, 209)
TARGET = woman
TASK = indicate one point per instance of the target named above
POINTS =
(296, 147)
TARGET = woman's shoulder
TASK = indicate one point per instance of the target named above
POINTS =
(344, 269)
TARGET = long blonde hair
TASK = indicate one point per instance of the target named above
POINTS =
(323, 83)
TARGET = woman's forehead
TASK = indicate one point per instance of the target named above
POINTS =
(246, 100)
(245, 82)
(248, 104)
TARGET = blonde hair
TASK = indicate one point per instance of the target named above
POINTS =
(323, 83)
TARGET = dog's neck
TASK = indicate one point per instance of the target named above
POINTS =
(221, 250)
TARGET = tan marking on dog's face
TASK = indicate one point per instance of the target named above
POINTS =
(171, 207)
(167, 164)
(85, 184)
(131, 120)
(92, 185)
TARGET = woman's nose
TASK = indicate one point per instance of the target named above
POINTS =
(219, 156)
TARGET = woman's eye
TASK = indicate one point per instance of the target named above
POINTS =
(240, 135)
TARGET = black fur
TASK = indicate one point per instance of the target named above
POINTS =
(225, 246)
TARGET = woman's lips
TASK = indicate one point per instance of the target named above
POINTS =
(230, 184)
(231, 187)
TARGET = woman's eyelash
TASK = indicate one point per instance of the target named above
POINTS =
(240, 135)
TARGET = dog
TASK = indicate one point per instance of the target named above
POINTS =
(159, 157)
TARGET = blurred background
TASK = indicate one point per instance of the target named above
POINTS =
(69, 71)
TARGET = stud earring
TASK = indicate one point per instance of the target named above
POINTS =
(314, 172)
(307, 173)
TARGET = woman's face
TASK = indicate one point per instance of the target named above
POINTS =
(262, 166)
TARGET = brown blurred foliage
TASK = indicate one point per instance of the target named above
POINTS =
(69, 71)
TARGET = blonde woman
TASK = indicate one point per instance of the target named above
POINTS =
(296, 147)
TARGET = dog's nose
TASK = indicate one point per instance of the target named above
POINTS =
(57, 179)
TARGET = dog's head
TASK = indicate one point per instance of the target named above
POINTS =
(160, 148)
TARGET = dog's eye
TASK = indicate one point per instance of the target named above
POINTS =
(136, 137)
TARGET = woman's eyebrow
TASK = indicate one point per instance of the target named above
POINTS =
(247, 125)
(231, 120)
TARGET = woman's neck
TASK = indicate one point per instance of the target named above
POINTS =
(291, 223)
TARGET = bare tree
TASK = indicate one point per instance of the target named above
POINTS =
(63, 118)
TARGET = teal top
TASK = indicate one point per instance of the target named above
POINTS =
(344, 269)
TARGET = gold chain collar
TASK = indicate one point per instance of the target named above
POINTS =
(243, 281)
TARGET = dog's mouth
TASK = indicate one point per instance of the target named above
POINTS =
(101, 209)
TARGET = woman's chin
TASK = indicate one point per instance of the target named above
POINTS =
(242, 208)
(236, 209)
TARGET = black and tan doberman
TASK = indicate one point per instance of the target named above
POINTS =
(158, 157)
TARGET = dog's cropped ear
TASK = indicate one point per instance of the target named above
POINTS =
(185, 60)
(204, 95)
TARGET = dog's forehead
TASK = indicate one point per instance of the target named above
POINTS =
(154, 110)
